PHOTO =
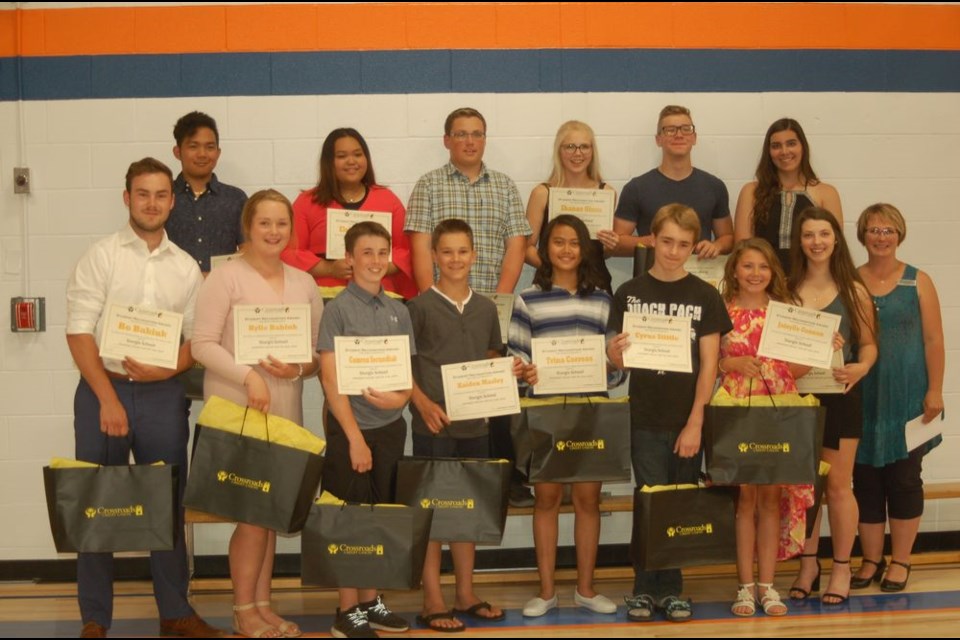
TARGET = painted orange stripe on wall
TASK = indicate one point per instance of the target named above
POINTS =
(369, 26)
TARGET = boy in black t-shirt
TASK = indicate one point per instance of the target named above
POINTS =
(666, 407)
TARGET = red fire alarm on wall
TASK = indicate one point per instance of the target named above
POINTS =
(28, 315)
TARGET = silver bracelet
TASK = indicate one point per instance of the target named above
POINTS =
(300, 374)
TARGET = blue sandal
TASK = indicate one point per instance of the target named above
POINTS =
(675, 609)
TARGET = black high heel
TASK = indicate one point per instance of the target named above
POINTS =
(799, 593)
(838, 599)
(863, 583)
(890, 586)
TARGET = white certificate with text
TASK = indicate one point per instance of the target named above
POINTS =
(795, 334)
(593, 206)
(339, 222)
(149, 336)
(219, 261)
(710, 270)
(658, 343)
(480, 389)
(372, 362)
(822, 380)
(278, 330)
(570, 364)
(504, 302)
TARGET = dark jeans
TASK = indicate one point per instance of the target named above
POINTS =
(654, 463)
(501, 446)
(438, 447)
(157, 416)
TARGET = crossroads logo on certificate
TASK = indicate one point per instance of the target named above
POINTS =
(480, 389)
(150, 336)
(798, 335)
(372, 362)
(658, 343)
(278, 330)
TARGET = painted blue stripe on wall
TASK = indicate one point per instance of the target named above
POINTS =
(495, 71)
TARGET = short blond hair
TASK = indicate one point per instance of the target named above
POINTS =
(681, 215)
(887, 213)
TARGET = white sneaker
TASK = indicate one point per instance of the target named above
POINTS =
(537, 607)
(598, 603)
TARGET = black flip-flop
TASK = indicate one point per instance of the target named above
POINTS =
(473, 612)
(427, 622)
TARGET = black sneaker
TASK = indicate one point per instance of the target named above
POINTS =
(380, 617)
(352, 623)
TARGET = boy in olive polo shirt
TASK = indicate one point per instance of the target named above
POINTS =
(366, 434)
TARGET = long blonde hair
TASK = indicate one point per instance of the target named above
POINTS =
(593, 169)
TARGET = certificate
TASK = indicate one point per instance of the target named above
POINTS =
(339, 222)
(795, 334)
(278, 330)
(659, 343)
(821, 380)
(710, 270)
(372, 362)
(504, 302)
(918, 433)
(571, 364)
(480, 389)
(593, 206)
(218, 261)
(149, 336)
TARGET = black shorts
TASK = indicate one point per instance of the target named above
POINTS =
(844, 416)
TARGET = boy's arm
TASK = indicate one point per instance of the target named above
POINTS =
(688, 443)
(432, 413)
(360, 457)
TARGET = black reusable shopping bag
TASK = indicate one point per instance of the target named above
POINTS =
(683, 526)
(253, 481)
(468, 496)
(112, 508)
(573, 439)
(365, 546)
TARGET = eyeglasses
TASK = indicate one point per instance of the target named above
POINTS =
(671, 130)
(883, 232)
(573, 148)
(460, 136)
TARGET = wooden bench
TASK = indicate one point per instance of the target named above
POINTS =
(614, 504)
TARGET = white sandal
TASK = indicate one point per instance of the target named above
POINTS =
(770, 600)
(746, 604)
(266, 631)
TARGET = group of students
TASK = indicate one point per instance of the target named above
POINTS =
(465, 235)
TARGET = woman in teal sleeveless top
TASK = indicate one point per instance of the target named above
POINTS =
(906, 383)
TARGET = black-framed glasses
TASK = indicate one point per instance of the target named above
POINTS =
(573, 148)
(672, 130)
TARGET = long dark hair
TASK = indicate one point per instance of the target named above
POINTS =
(328, 189)
(768, 182)
(844, 274)
(588, 276)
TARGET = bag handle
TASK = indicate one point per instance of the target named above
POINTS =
(767, 386)
(374, 495)
(266, 424)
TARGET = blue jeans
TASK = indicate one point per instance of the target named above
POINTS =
(654, 463)
(157, 415)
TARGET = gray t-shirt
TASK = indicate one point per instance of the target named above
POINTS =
(444, 335)
(643, 196)
(355, 312)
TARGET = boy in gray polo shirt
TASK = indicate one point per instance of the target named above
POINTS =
(366, 434)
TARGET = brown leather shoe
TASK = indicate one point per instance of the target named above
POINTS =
(192, 626)
(93, 630)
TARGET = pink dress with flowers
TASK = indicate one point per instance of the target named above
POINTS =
(744, 340)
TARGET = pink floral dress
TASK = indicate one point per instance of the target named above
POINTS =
(744, 340)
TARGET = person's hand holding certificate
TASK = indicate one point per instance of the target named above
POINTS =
(570, 364)
(659, 343)
(480, 389)
(278, 330)
(149, 336)
(372, 362)
(798, 335)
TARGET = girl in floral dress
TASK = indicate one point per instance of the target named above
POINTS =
(752, 278)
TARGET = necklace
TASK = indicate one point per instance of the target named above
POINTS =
(356, 198)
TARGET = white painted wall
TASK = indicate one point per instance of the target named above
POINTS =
(899, 148)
